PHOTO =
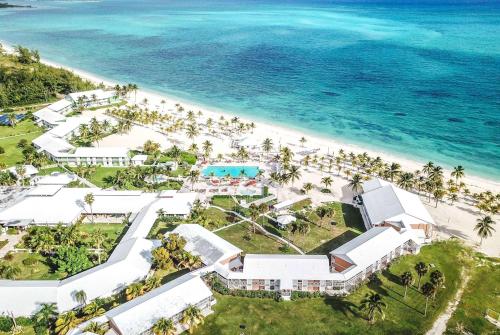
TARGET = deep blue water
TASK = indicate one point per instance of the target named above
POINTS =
(422, 81)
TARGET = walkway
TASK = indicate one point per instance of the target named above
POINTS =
(12, 241)
(439, 326)
(267, 233)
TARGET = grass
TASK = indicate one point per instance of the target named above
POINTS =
(229, 204)
(41, 270)
(481, 293)
(10, 136)
(3, 243)
(325, 234)
(242, 236)
(162, 227)
(217, 218)
(113, 231)
(97, 178)
(342, 315)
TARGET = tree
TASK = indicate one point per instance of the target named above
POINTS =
(428, 290)
(406, 180)
(98, 238)
(65, 323)
(267, 145)
(484, 227)
(94, 309)
(437, 279)
(162, 258)
(152, 283)
(192, 131)
(81, 297)
(71, 259)
(293, 173)
(303, 141)
(207, 149)
(373, 305)
(44, 318)
(356, 183)
(9, 271)
(96, 328)
(421, 269)
(89, 200)
(406, 280)
(438, 195)
(307, 187)
(191, 317)
(458, 172)
(254, 215)
(327, 181)
(164, 327)
(133, 291)
(193, 177)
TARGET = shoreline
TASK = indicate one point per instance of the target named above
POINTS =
(286, 134)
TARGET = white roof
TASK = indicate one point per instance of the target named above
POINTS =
(49, 116)
(140, 158)
(140, 314)
(390, 203)
(44, 190)
(286, 219)
(373, 184)
(53, 145)
(286, 268)
(29, 170)
(371, 246)
(100, 152)
(202, 242)
(56, 178)
(60, 105)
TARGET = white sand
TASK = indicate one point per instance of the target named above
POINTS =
(457, 220)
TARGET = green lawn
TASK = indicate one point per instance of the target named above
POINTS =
(325, 234)
(342, 316)
(482, 292)
(229, 204)
(217, 218)
(113, 232)
(40, 270)
(97, 178)
(242, 236)
(10, 136)
(3, 243)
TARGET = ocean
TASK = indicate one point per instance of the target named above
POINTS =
(421, 81)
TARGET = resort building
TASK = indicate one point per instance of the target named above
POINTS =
(169, 301)
(93, 98)
(129, 262)
(383, 204)
(55, 178)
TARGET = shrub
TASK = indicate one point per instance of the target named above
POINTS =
(9, 256)
(2, 150)
(6, 324)
(22, 143)
(30, 260)
(219, 287)
(296, 295)
(23, 321)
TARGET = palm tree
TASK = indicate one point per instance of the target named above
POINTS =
(438, 195)
(207, 149)
(81, 297)
(89, 200)
(192, 131)
(452, 197)
(94, 309)
(294, 173)
(484, 227)
(406, 180)
(406, 280)
(356, 183)
(193, 177)
(373, 304)
(191, 316)
(267, 145)
(458, 172)
(164, 327)
(437, 279)
(46, 314)
(327, 181)
(133, 291)
(254, 215)
(153, 282)
(98, 237)
(421, 269)
(307, 187)
(393, 171)
(65, 323)
(9, 271)
(12, 119)
(96, 328)
(427, 169)
(303, 141)
(428, 289)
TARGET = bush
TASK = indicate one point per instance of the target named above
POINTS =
(30, 260)
(22, 143)
(2, 150)
(6, 324)
(296, 295)
(23, 321)
(219, 287)
(9, 256)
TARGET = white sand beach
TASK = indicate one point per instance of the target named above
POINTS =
(452, 220)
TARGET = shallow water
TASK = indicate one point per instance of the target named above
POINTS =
(419, 81)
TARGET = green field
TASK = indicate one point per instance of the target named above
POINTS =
(481, 293)
(242, 236)
(342, 316)
(10, 136)
(40, 270)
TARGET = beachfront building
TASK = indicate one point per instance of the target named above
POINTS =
(129, 262)
(384, 205)
(55, 178)
(93, 98)
(169, 301)
(55, 144)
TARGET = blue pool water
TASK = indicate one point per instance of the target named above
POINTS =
(417, 79)
(233, 171)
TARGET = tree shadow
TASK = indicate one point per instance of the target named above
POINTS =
(352, 217)
(342, 305)
(334, 243)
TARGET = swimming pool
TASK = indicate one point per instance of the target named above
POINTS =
(233, 171)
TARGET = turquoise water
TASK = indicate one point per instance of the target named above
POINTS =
(233, 171)
(420, 81)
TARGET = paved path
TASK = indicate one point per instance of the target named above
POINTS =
(12, 241)
(439, 326)
(267, 233)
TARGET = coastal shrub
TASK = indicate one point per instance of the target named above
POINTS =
(6, 324)
(296, 295)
